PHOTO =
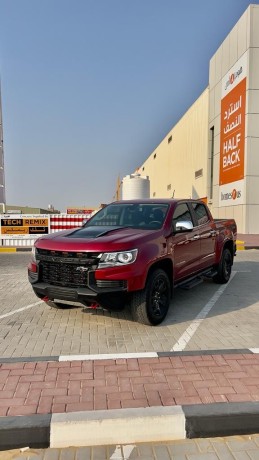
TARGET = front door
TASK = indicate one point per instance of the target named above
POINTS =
(185, 246)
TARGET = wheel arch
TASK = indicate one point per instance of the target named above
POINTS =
(164, 264)
(229, 244)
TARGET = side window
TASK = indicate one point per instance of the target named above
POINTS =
(201, 213)
(181, 213)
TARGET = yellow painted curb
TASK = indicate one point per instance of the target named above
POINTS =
(240, 245)
(7, 249)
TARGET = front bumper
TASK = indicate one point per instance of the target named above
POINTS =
(64, 293)
(92, 290)
(75, 277)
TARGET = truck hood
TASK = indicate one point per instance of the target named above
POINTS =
(97, 238)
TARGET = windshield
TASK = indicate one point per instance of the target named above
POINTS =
(136, 215)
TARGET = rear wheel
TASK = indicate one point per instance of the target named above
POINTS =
(150, 305)
(224, 267)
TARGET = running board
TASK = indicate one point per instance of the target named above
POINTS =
(189, 284)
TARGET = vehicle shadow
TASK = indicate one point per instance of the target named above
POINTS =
(239, 293)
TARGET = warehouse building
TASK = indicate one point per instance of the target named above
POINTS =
(2, 176)
(212, 153)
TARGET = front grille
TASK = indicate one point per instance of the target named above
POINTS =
(111, 284)
(85, 258)
(66, 268)
(73, 270)
(62, 274)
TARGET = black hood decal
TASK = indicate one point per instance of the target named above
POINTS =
(93, 232)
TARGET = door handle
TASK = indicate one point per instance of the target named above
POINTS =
(213, 233)
(196, 237)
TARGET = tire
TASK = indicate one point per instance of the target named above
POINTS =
(224, 267)
(150, 305)
(112, 302)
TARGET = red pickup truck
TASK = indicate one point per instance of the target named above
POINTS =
(134, 252)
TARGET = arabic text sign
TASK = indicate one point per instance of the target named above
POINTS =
(23, 226)
(232, 135)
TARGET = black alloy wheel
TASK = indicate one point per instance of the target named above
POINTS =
(150, 306)
(224, 268)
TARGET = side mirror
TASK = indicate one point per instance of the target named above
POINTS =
(184, 226)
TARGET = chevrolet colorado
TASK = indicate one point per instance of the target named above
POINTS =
(134, 252)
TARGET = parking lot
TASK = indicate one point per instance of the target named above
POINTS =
(209, 316)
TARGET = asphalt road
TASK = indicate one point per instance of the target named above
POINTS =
(209, 316)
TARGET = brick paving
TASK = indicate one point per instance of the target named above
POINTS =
(225, 448)
(29, 329)
(28, 388)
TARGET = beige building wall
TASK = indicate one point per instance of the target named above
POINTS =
(2, 171)
(179, 165)
(223, 124)
(240, 46)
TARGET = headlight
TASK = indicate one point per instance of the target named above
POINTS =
(115, 259)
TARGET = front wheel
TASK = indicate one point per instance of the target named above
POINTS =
(150, 305)
(224, 267)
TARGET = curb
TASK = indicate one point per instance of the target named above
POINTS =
(221, 419)
(23, 431)
(242, 245)
(127, 426)
(11, 249)
(132, 425)
(117, 426)
(144, 354)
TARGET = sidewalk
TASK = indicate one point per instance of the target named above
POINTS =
(105, 399)
(247, 241)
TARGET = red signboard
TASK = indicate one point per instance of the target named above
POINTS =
(232, 135)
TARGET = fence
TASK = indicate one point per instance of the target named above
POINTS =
(56, 223)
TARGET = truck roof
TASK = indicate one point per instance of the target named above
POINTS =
(155, 200)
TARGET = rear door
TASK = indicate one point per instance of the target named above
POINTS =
(206, 232)
(185, 245)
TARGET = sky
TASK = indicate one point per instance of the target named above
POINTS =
(90, 88)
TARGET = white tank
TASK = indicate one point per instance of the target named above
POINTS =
(136, 187)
